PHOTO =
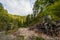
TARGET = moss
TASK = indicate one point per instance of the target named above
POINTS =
(39, 38)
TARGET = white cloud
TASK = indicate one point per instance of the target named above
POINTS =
(18, 7)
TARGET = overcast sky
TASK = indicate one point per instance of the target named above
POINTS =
(18, 7)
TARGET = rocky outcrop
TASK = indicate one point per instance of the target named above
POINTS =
(48, 27)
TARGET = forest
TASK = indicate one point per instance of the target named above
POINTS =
(10, 23)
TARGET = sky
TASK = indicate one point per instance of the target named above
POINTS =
(18, 7)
